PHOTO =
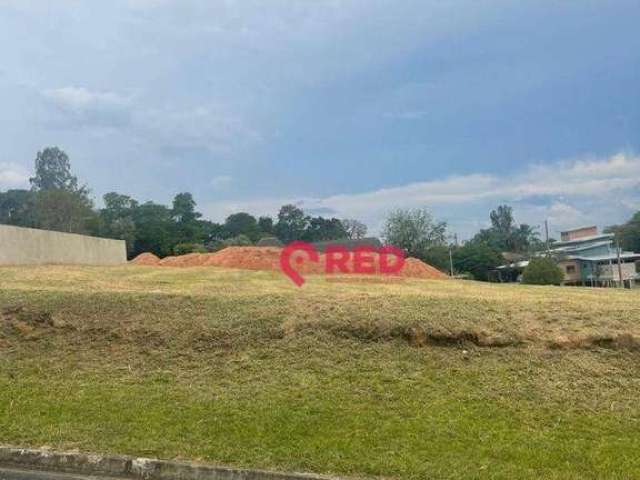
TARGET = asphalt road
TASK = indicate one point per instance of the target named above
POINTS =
(11, 474)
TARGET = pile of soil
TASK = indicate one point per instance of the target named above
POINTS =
(268, 258)
(146, 259)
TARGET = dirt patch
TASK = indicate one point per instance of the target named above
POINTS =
(27, 322)
(268, 258)
(622, 341)
(19, 313)
(419, 337)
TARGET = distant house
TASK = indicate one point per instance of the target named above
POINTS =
(591, 258)
(586, 257)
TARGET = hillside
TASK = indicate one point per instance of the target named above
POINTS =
(357, 376)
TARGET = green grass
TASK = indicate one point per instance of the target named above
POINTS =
(350, 377)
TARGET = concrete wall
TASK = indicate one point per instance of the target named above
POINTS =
(28, 246)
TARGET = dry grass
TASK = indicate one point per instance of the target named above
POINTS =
(244, 368)
(421, 311)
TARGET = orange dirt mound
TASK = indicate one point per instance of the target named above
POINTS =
(268, 258)
(188, 260)
(146, 259)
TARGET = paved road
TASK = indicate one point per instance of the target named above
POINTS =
(11, 474)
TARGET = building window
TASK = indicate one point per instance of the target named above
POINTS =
(571, 269)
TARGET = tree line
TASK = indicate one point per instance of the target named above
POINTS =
(424, 237)
(56, 201)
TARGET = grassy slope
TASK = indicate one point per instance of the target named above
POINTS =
(242, 368)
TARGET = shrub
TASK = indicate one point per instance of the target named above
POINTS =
(437, 256)
(184, 248)
(476, 258)
(238, 241)
(542, 271)
(269, 241)
(215, 245)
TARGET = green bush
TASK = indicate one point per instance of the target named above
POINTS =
(542, 271)
(476, 258)
(437, 256)
(184, 248)
(215, 245)
(238, 241)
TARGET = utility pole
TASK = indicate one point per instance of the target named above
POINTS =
(546, 234)
(619, 264)
(451, 258)
(455, 240)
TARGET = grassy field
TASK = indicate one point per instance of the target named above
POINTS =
(399, 379)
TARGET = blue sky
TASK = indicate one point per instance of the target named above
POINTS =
(349, 108)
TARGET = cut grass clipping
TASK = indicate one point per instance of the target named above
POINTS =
(354, 376)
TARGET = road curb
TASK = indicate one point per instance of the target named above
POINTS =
(132, 467)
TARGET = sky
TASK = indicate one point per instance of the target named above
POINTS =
(347, 108)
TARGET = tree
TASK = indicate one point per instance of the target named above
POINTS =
(155, 229)
(628, 234)
(118, 205)
(542, 271)
(53, 172)
(292, 224)
(505, 236)
(265, 224)
(17, 207)
(321, 229)
(64, 211)
(502, 221)
(525, 239)
(184, 209)
(476, 258)
(188, 228)
(415, 231)
(60, 204)
(437, 256)
(117, 219)
(354, 228)
(211, 231)
(242, 224)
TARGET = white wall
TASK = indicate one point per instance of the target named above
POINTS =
(28, 246)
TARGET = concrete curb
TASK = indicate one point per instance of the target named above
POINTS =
(131, 467)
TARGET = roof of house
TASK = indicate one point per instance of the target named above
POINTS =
(520, 264)
(579, 248)
(513, 256)
(591, 238)
(601, 258)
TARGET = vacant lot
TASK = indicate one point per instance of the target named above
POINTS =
(401, 379)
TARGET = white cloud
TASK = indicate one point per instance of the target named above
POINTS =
(221, 181)
(79, 98)
(200, 127)
(568, 193)
(175, 127)
(83, 107)
(13, 176)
